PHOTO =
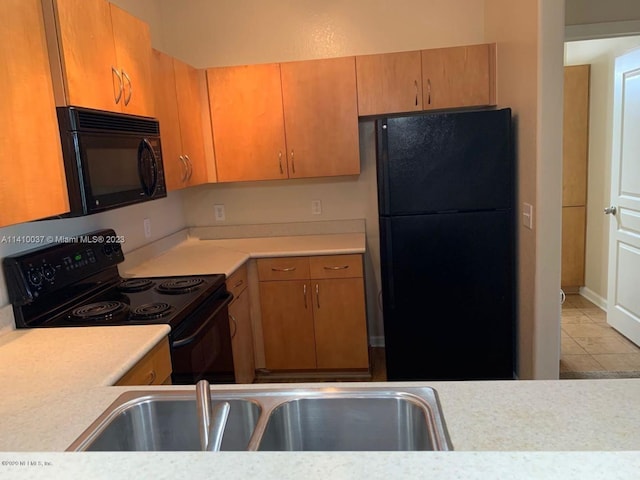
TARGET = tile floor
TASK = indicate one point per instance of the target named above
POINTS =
(589, 344)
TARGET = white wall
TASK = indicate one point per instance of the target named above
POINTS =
(600, 54)
(529, 74)
(208, 33)
(579, 12)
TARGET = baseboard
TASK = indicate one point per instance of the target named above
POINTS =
(377, 341)
(593, 297)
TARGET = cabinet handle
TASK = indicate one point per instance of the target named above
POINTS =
(128, 98)
(280, 162)
(287, 269)
(304, 293)
(337, 267)
(189, 167)
(235, 325)
(117, 73)
(238, 284)
(151, 377)
(293, 163)
(318, 295)
(415, 83)
(428, 91)
(185, 171)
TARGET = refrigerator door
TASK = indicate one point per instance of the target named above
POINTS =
(445, 162)
(448, 296)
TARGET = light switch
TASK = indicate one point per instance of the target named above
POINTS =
(316, 207)
(527, 215)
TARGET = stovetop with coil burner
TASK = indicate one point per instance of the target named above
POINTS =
(78, 284)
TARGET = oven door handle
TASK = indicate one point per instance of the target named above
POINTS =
(186, 341)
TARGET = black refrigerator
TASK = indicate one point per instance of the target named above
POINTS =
(446, 199)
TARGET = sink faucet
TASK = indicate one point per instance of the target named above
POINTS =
(210, 423)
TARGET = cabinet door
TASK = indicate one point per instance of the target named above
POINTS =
(389, 83)
(242, 338)
(32, 181)
(340, 323)
(247, 122)
(133, 51)
(321, 117)
(87, 51)
(575, 135)
(189, 110)
(458, 76)
(166, 106)
(287, 325)
(573, 246)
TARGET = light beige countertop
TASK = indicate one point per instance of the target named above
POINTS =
(504, 429)
(200, 257)
(48, 376)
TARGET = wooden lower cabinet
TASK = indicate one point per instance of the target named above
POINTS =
(153, 369)
(241, 330)
(317, 322)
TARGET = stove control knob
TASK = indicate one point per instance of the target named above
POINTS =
(107, 249)
(49, 272)
(35, 277)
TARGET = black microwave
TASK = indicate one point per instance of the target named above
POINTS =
(111, 159)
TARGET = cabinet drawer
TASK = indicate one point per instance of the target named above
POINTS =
(237, 282)
(153, 369)
(283, 268)
(336, 266)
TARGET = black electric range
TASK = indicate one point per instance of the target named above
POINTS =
(77, 283)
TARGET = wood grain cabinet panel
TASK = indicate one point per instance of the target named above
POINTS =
(575, 138)
(247, 122)
(153, 369)
(320, 312)
(287, 325)
(32, 180)
(458, 76)
(389, 83)
(132, 41)
(321, 117)
(100, 55)
(178, 107)
(575, 159)
(240, 327)
(573, 246)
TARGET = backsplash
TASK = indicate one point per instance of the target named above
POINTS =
(166, 216)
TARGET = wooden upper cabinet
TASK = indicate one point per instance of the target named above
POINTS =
(133, 51)
(178, 108)
(575, 138)
(87, 53)
(166, 106)
(389, 83)
(104, 57)
(32, 180)
(321, 117)
(458, 76)
(188, 81)
(248, 126)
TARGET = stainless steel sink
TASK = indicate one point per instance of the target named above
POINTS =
(309, 419)
(338, 424)
(156, 421)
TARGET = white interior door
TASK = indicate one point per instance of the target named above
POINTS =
(623, 311)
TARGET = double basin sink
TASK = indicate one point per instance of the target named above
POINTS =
(278, 419)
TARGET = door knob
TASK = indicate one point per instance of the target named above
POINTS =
(610, 210)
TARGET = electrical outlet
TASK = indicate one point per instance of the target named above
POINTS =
(147, 228)
(219, 212)
(316, 207)
(527, 215)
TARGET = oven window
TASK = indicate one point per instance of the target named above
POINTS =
(112, 163)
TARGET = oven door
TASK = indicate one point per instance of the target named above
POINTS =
(201, 344)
